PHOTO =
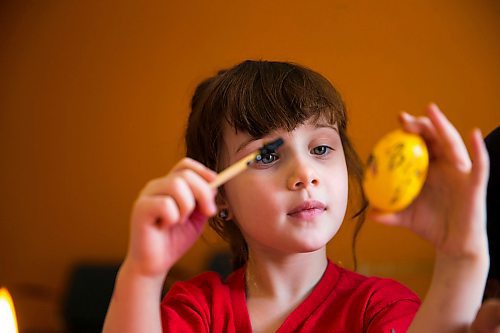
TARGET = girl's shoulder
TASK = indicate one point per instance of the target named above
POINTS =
(378, 303)
(207, 285)
(193, 304)
(386, 288)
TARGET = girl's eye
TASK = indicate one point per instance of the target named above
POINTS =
(268, 158)
(320, 150)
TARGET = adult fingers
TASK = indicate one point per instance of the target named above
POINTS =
(480, 159)
(418, 125)
(386, 218)
(441, 137)
(453, 146)
(423, 127)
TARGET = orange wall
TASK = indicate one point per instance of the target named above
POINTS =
(94, 96)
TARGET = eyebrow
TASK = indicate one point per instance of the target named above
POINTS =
(323, 125)
(246, 143)
(317, 125)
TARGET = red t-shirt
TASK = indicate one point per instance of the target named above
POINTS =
(342, 301)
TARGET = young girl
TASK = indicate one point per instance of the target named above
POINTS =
(280, 214)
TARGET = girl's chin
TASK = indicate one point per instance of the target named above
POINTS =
(312, 245)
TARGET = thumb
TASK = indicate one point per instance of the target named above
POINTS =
(386, 218)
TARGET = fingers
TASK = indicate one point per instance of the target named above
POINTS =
(183, 195)
(200, 192)
(480, 158)
(199, 168)
(389, 219)
(448, 152)
(383, 218)
(454, 147)
(421, 126)
(159, 208)
(187, 187)
(441, 137)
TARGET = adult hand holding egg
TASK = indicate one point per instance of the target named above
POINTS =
(450, 194)
(449, 212)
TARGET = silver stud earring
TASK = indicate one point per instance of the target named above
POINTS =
(223, 214)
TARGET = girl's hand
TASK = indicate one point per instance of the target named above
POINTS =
(168, 217)
(450, 212)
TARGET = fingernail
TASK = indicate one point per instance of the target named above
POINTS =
(434, 106)
(406, 116)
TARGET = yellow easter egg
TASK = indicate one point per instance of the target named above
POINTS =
(396, 171)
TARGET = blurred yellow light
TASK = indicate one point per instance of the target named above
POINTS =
(8, 321)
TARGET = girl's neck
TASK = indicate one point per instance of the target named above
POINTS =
(286, 278)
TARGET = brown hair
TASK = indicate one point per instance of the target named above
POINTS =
(258, 97)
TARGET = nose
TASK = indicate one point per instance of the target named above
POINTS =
(302, 176)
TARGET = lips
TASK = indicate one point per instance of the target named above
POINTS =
(308, 210)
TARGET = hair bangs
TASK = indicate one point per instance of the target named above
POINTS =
(261, 97)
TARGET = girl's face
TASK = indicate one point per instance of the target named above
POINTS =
(294, 200)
